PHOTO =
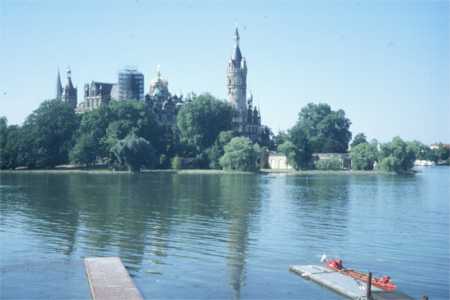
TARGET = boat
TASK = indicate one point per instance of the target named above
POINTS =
(383, 282)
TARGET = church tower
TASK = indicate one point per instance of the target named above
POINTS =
(237, 83)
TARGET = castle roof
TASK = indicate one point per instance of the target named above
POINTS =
(237, 56)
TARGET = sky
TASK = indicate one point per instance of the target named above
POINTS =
(385, 63)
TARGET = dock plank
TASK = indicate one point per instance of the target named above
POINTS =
(344, 285)
(109, 280)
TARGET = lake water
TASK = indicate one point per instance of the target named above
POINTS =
(222, 236)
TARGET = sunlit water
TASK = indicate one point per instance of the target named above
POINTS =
(222, 236)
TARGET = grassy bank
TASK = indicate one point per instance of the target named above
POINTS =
(110, 171)
(324, 172)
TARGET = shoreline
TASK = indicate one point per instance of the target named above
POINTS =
(288, 172)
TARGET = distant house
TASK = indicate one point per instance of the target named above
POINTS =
(278, 161)
(436, 146)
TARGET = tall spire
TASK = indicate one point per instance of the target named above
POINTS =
(237, 56)
(59, 88)
(69, 78)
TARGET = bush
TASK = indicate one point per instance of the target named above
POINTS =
(177, 163)
(397, 156)
(328, 164)
(364, 156)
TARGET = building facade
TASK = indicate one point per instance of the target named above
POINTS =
(130, 85)
(278, 161)
(96, 94)
(246, 119)
(68, 94)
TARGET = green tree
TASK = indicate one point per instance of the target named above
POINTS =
(303, 152)
(201, 120)
(92, 129)
(241, 154)
(12, 147)
(441, 153)
(280, 138)
(363, 156)
(85, 150)
(3, 141)
(48, 134)
(134, 152)
(326, 130)
(216, 151)
(397, 156)
(360, 138)
(132, 116)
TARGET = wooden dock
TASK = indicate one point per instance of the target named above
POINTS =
(109, 280)
(344, 285)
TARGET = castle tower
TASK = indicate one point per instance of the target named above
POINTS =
(59, 89)
(237, 82)
(70, 92)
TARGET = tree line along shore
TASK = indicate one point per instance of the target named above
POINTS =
(125, 135)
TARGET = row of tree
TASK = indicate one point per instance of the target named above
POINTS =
(126, 134)
(319, 129)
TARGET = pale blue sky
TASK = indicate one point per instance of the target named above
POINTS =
(386, 63)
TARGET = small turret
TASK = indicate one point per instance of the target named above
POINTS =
(244, 66)
(70, 92)
(250, 101)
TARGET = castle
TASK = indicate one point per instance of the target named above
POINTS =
(247, 119)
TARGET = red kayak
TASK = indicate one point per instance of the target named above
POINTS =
(383, 282)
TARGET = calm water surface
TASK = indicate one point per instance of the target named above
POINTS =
(222, 236)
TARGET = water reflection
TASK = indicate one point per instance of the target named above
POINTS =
(242, 198)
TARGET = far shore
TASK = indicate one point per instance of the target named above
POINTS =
(288, 172)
